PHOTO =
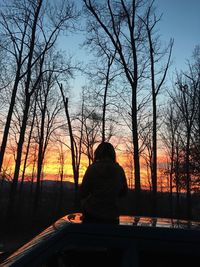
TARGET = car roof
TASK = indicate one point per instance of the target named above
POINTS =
(142, 221)
(69, 230)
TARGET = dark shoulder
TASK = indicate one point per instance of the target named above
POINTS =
(93, 168)
(118, 166)
(90, 168)
(104, 165)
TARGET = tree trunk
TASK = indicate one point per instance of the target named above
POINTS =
(188, 182)
(40, 157)
(177, 188)
(154, 158)
(136, 156)
(13, 190)
(171, 181)
(72, 146)
(27, 150)
(8, 120)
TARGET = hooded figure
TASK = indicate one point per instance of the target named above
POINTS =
(103, 184)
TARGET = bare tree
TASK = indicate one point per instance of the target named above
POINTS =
(61, 160)
(195, 151)
(38, 39)
(91, 132)
(185, 98)
(146, 148)
(120, 27)
(103, 73)
(157, 79)
(14, 43)
(171, 138)
(46, 122)
(75, 152)
(32, 123)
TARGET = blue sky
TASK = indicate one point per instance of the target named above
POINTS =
(181, 21)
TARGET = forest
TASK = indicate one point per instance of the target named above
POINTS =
(50, 129)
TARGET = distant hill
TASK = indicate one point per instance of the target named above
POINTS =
(47, 184)
(53, 183)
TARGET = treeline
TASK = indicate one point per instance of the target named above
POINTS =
(123, 101)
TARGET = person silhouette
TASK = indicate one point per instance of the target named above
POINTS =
(104, 182)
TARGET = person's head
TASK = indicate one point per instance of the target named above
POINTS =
(105, 151)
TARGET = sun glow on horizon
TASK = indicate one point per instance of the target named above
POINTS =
(53, 169)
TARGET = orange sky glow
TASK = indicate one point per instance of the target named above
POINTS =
(52, 167)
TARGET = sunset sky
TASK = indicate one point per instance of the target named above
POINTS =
(180, 21)
(77, 73)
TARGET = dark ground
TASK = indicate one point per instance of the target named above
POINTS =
(25, 224)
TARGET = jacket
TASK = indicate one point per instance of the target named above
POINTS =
(103, 184)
